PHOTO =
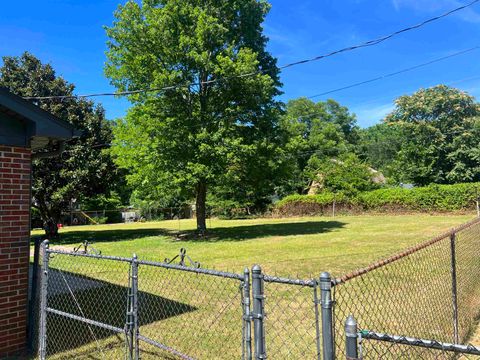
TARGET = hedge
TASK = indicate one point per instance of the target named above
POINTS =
(432, 198)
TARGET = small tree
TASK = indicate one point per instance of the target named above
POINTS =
(83, 168)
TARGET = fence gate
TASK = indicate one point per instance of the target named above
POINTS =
(124, 308)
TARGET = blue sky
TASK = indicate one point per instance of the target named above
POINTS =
(69, 34)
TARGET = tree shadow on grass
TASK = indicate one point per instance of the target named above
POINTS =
(248, 232)
(234, 233)
(99, 301)
(96, 236)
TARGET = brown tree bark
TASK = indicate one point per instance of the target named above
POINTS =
(51, 228)
(200, 207)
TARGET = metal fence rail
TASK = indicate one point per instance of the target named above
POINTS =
(390, 346)
(114, 308)
(430, 291)
(97, 306)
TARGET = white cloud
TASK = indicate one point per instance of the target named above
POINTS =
(370, 115)
(436, 6)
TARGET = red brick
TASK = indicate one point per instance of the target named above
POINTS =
(14, 246)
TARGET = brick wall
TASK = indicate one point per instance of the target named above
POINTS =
(14, 247)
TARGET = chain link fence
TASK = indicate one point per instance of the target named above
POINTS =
(419, 304)
(430, 291)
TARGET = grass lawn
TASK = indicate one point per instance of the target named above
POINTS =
(288, 247)
(201, 315)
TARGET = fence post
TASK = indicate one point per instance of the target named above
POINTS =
(247, 319)
(453, 237)
(136, 329)
(258, 314)
(316, 302)
(327, 316)
(32, 315)
(351, 343)
(43, 302)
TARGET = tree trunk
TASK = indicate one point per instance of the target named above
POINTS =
(51, 229)
(200, 207)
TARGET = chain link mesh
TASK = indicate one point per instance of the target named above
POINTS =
(90, 288)
(411, 294)
(189, 313)
(375, 349)
(192, 314)
(290, 321)
(183, 313)
(468, 278)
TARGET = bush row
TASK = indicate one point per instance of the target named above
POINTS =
(432, 198)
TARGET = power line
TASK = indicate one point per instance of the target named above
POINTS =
(395, 73)
(105, 145)
(312, 114)
(383, 38)
(449, 83)
(253, 73)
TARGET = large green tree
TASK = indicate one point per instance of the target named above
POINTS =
(440, 136)
(315, 132)
(216, 124)
(83, 169)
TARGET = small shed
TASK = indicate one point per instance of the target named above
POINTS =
(25, 130)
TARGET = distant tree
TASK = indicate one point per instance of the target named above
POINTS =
(323, 130)
(347, 175)
(440, 132)
(217, 126)
(83, 169)
(379, 146)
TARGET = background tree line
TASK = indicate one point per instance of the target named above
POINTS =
(222, 140)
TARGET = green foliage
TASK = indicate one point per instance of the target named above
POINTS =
(379, 145)
(35, 218)
(347, 176)
(322, 130)
(100, 219)
(440, 132)
(102, 202)
(183, 141)
(231, 208)
(430, 198)
(83, 170)
(323, 199)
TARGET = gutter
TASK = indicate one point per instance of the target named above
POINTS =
(50, 154)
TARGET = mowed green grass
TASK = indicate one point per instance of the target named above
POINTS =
(200, 315)
(296, 247)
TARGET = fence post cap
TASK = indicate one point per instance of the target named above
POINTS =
(325, 276)
(256, 268)
(246, 271)
(351, 326)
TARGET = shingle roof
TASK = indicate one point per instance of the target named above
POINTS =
(43, 126)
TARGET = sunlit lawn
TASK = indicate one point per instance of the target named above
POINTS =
(288, 247)
(169, 299)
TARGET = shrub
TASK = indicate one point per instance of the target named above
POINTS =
(100, 219)
(114, 217)
(432, 198)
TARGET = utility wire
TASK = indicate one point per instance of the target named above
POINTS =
(383, 38)
(385, 98)
(395, 73)
(312, 114)
(261, 71)
(315, 113)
